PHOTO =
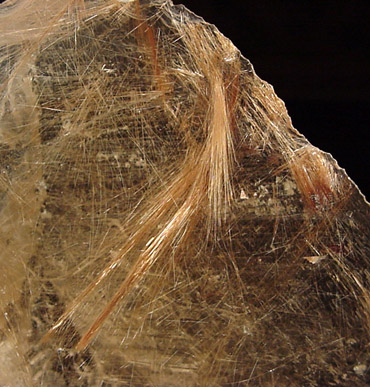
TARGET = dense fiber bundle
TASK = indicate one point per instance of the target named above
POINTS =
(162, 222)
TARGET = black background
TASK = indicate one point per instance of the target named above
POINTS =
(316, 55)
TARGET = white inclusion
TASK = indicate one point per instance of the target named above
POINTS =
(243, 194)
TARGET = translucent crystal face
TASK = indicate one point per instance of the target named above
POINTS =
(162, 222)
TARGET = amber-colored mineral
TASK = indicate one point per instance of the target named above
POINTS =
(162, 222)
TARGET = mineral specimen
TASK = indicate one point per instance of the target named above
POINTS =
(162, 222)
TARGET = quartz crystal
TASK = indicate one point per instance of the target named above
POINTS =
(162, 221)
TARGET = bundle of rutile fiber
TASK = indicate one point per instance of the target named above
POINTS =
(162, 222)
